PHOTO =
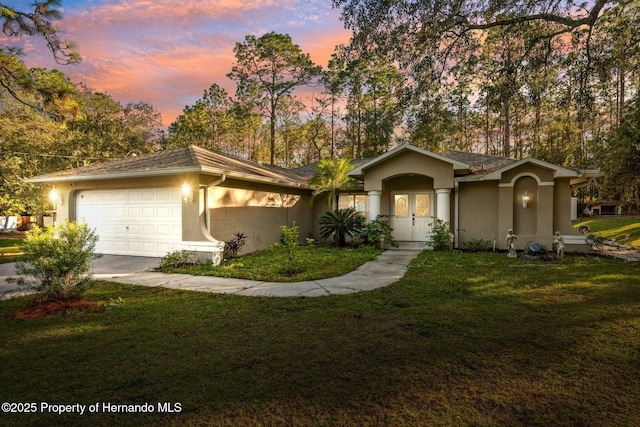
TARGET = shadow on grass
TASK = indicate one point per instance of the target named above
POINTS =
(462, 339)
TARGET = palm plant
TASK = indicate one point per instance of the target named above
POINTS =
(340, 224)
(331, 179)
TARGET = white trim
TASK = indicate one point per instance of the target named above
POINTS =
(558, 171)
(359, 171)
(530, 175)
(166, 172)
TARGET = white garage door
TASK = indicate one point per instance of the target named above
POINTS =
(144, 222)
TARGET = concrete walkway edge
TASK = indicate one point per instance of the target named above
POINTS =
(385, 269)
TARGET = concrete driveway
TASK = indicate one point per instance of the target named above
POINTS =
(105, 268)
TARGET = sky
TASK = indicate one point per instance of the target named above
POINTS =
(167, 53)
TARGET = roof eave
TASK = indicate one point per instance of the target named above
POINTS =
(164, 172)
(359, 171)
(110, 176)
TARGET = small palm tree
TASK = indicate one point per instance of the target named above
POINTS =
(340, 224)
(331, 179)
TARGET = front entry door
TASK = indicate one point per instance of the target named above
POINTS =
(411, 215)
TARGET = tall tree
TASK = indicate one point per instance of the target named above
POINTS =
(206, 123)
(619, 156)
(40, 21)
(418, 32)
(333, 80)
(274, 65)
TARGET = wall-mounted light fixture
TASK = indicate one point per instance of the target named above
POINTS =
(187, 193)
(525, 199)
(55, 197)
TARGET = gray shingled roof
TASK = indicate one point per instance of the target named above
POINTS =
(479, 162)
(307, 171)
(187, 159)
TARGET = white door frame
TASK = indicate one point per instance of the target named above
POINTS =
(411, 215)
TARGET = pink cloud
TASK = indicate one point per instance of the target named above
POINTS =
(168, 53)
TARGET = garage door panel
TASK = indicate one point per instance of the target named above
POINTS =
(148, 212)
(133, 195)
(133, 222)
(149, 229)
(156, 196)
(135, 230)
(163, 212)
(164, 230)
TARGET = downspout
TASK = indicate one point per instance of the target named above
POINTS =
(207, 211)
(456, 213)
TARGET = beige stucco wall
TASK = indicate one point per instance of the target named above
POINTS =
(407, 163)
(478, 212)
(562, 211)
(488, 209)
(253, 209)
(258, 211)
(544, 174)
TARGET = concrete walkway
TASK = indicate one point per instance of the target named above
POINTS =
(385, 269)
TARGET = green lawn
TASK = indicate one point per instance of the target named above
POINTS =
(10, 247)
(311, 263)
(462, 339)
(625, 230)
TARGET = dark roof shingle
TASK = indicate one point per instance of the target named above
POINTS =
(187, 159)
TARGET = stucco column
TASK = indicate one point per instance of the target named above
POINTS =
(443, 204)
(374, 204)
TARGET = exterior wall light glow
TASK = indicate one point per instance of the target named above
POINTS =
(55, 197)
(525, 199)
(187, 193)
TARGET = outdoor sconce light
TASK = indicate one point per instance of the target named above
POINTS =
(55, 197)
(525, 199)
(187, 193)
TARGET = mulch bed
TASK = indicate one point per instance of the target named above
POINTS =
(46, 308)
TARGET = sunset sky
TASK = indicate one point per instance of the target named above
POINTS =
(167, 52)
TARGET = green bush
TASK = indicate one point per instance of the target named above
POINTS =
(440, 238)
(378, 229)
(289, 242)
(233, 246)
(58, 258)
(340, 224)
(478, 245)
(176, 259)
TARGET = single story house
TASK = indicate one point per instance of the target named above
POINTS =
(193, 198)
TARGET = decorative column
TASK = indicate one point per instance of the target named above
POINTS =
(374, 204)
(443, 204)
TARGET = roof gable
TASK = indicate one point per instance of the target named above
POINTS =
(558, 171)
(359, 171)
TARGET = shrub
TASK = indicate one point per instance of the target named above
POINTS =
(478, 245)
(340, 224)
(440, 239)
(233, 246)
(58, 258)
(289, 241)
(376, 230)
(176, 259)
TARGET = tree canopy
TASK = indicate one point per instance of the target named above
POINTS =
(275, 67)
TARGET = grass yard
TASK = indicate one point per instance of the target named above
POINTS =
(311, 263)
(462, 339)
(10, 247)
(625, 230)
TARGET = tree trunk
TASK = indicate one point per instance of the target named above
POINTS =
(507, 127)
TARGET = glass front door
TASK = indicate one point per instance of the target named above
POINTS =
(411, 215)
